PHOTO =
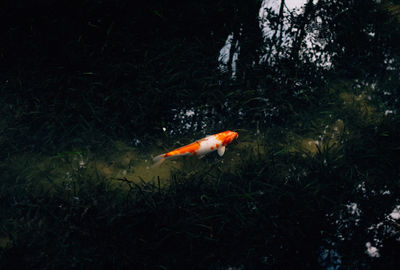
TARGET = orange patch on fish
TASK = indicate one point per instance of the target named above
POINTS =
(191, 148)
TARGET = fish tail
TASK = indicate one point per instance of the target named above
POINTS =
(158, 160)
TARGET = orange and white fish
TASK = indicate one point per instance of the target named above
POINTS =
(216, 142)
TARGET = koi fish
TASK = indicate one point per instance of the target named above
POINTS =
(216, 142)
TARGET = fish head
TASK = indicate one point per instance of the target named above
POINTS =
(233, 135)
(229, 136)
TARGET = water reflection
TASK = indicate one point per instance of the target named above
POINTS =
(281, 36)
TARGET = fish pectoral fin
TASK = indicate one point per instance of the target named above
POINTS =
(221, 151)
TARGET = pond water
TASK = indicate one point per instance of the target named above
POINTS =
(324, 135)
(132, 161)
(311, 87)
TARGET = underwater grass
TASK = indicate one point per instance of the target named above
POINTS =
(273, 205)
(194, 219)
(283, 193)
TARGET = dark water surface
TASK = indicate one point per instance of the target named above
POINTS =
(92, 91)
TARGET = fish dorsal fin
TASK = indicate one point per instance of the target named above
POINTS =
(221, 151)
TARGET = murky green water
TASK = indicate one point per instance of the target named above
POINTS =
(124, 161)
(89, 98)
